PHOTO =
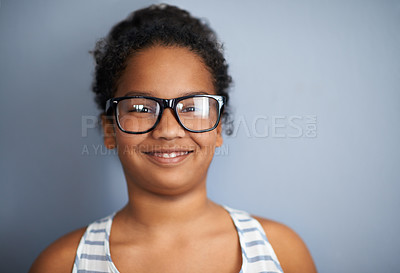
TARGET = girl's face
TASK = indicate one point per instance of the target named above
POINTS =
(168, 160)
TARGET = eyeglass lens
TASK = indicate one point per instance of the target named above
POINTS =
(141, 114)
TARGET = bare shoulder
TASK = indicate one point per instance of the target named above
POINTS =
(289, 247)
(60, 255)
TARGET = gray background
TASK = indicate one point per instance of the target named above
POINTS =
(337, 61)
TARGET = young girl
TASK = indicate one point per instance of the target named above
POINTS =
(161, 81)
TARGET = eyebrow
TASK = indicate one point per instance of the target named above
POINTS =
(149, 94)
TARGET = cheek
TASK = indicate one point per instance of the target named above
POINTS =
(128, 142)
(206, 142)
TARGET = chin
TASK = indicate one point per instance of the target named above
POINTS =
(172, 185)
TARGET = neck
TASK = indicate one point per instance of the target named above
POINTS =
(154, 211)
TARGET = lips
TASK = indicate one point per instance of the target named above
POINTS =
(168, 157)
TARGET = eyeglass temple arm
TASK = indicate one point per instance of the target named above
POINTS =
(109, 104)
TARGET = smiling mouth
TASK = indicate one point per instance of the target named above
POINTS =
(166, 155)
(169, 154)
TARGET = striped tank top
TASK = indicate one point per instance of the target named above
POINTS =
(93, 253)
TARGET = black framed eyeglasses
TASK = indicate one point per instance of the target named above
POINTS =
(141, 114)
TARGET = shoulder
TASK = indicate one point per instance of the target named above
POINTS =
(290, 249)
(60, 255)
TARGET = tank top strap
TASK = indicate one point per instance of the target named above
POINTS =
(93, 253)
(257, 253)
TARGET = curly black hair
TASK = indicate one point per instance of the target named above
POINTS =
(163, 25)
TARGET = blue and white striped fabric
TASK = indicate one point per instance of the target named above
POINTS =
(257, 253)
(93, 253)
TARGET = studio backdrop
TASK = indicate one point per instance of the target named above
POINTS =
(315, 142)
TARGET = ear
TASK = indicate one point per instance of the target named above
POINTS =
(107, 123)
(220, 139)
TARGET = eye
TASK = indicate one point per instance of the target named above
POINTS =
(188, 109)
(140, 108)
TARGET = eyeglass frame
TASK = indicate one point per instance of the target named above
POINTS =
(164, 104)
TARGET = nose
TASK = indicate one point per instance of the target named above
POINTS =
(168, 128)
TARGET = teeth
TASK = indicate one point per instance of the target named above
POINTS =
(170, 155)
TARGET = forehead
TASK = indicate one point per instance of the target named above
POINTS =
(165, 72)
